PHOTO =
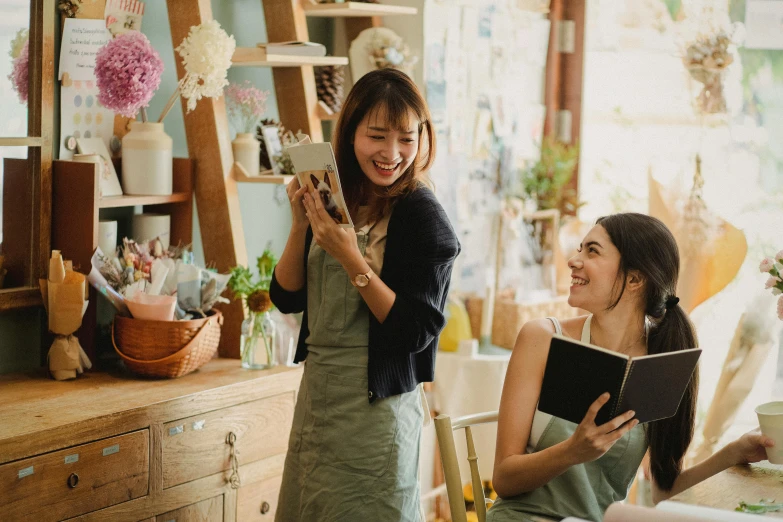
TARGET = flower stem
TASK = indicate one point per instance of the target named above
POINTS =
(144, 115)
(169, 104)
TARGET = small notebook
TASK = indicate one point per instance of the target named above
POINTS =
(316, 168)
(294, 48)
(577, 373)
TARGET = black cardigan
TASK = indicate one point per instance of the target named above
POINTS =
(421, 247)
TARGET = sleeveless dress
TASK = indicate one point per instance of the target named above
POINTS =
(348, 460)
(585, 490)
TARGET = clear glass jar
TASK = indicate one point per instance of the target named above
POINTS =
(259, 341)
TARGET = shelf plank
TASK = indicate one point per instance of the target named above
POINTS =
(132, 201)
(352, 9)
(257, 57)
(265, 176)
(30, 141)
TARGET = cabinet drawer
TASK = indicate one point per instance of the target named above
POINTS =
(198, 446)
(76, 480)
(210, 510)
(258, 501)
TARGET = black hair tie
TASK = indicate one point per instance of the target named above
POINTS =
(672, 302)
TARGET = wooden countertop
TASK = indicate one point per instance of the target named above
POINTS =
(38, 412)
(746, 482)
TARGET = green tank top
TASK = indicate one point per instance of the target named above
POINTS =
(585, 490)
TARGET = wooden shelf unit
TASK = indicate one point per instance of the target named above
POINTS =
(265, 176)
(208, 136)
(356, 9)
(76, 205)
(258, 57)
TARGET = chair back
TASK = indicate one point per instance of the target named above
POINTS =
(445, 427)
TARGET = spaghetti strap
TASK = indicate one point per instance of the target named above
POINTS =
(556, 322)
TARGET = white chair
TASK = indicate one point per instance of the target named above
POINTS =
(444, 428)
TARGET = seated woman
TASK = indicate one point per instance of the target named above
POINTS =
(625, 275)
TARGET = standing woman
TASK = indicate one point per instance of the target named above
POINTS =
(373, 299)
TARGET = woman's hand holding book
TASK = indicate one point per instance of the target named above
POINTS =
(590, 441)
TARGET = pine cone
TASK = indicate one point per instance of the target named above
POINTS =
(69, 8)
(329, 81)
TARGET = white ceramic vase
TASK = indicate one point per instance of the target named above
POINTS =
(247, 150)
(146, 160)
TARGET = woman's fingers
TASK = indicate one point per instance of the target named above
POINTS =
(618, 421)
(618, 433)
(594, 408)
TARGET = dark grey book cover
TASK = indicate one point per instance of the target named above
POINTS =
(577, 373)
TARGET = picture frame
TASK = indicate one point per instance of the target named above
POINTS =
(273, 145)
(109, 182)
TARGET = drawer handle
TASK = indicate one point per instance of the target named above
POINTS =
(73, 480)
(264, 508)
(234, 479)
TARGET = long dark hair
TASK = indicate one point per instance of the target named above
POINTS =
(647, 246)
(394, 93)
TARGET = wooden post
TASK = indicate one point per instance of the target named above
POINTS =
(217, 199)
(294, 86)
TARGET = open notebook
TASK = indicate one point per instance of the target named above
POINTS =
(577, 373)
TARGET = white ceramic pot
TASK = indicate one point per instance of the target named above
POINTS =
(146, 160)
(247, 151)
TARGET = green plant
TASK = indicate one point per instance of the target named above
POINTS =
(255, 291)
(547, 180)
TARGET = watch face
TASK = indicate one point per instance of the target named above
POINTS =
(361, 280)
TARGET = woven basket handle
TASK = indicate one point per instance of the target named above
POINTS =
(179, 354)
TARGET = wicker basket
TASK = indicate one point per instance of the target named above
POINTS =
(166, 348)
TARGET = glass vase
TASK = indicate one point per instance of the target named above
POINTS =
(258, 342)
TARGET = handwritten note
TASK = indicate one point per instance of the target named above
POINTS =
(82, 38)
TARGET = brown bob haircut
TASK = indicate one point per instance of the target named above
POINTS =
(392, 93)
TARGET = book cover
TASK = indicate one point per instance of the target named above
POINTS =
(577, 373)
(316, 167)
(294, 48)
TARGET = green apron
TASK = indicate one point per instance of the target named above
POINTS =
(583, 491)
(348, 460)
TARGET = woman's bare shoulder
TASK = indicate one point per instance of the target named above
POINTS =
(572, 327)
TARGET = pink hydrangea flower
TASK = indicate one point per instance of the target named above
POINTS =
(766, 265)
(771, 281)
(128, 71)
(19, 72)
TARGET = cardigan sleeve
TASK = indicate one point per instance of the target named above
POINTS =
(422, 270)
(286, 301)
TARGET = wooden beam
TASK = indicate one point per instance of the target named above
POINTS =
(294, 87)
(217, 199)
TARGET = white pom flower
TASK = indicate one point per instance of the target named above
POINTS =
(206, 55)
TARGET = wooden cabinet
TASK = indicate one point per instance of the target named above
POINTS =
(199, 446)
(210, 510)
(112, 447)
(76, 480)
(258, 502)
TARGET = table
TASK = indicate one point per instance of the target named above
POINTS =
(743, 482)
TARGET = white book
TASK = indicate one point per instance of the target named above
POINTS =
(294, 48)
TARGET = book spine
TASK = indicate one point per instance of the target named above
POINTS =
(621, 391)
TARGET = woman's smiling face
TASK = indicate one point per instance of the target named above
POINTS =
(383, 152)
(594, 271)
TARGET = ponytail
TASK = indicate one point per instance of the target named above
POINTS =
(668, 439)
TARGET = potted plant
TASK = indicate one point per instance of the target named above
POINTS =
(547, 181)
(257, 346)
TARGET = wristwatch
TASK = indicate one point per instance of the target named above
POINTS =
(362, 280)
